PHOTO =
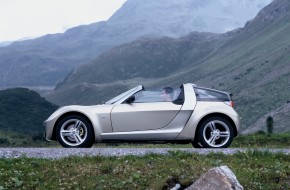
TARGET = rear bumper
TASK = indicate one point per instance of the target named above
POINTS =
(236, 119)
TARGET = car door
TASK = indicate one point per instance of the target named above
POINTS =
(143, 116)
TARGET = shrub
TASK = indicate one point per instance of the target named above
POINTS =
(270, 125)
(37, 136)
(261, 132)
(4, 141)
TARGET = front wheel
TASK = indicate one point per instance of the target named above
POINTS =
(215, 132)
(75, 132)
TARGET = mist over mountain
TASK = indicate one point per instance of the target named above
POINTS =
(48, 59)
(6, 43)
(251, 62)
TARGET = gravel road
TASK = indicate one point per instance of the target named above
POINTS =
(57, 153)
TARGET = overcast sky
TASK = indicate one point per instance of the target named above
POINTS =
(33, 18)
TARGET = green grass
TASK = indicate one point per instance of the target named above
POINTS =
(257, 140)
(17, 139)
(260, 140)
(254, 170)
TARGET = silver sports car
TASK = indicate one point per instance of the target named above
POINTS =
(190, 114)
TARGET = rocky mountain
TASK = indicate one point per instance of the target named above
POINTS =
(251, 62)
(46, 60)
(185, 16)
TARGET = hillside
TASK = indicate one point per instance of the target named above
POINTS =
(147, 58)
(23, 111)
(254, 66)
(281, 117)
(46, 60)
(252, 63)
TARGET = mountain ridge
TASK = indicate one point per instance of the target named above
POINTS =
(122, 62)
(46, 60)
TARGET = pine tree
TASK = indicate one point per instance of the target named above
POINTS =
(270, 125)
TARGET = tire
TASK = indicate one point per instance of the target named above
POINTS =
(75, 132)
(215, 132)
(196, 144)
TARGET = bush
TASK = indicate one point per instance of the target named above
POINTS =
(4, 141)
(261, 132)
(37, 136)
(270, 125)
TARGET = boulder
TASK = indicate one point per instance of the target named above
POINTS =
(221, 178)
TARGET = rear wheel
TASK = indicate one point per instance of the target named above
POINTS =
(75, 132)
(215, 132)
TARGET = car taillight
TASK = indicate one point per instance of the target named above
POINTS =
(230, 103)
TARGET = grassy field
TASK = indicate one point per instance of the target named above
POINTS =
(262, 140)
(257, 140)
(254, 169)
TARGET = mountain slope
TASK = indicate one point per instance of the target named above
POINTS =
(146, 58)
(23, 111)
(46, 60)
(281, 123)
(253, 63)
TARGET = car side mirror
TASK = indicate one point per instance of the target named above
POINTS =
(130, 100)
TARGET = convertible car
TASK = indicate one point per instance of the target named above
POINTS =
(189, 114)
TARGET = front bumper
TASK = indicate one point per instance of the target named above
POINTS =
(48, 126)
(44, 132)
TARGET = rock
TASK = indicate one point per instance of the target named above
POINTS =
(221, 178)
(176, 187)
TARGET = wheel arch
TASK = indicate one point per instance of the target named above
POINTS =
(68, 114)
(229, 119)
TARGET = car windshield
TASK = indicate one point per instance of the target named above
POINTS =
(119, 97)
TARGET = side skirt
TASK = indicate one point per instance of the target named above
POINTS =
(149, 135)
(147, 142)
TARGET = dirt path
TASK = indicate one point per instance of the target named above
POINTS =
(57, 153)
